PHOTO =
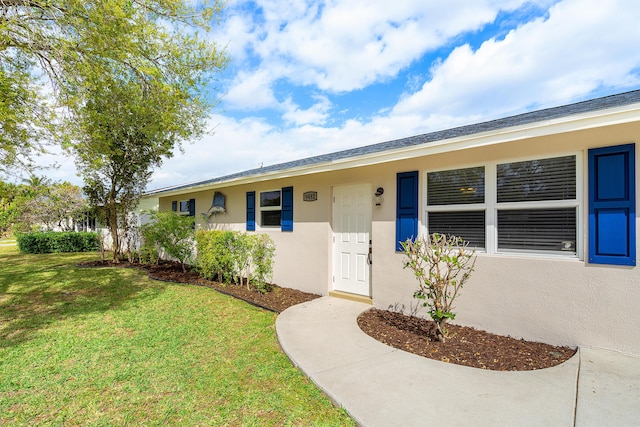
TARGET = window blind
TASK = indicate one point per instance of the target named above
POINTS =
(536, 180)
(468, 225)
(537, 229)
(456, 187)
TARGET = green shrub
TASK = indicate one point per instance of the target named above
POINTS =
(215, 255)
(235, 257)
(262, 252)
(52, 241)
(172, 232)
(148, 254)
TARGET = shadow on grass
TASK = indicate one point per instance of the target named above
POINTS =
(39, 290)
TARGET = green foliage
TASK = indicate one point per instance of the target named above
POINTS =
(69, 45)
(441, 266)
(25, 117)
(51, 241)
(148, 254)
(8, 209)
(214, 257)
(232, 256)
(262, 253)
(172, 233)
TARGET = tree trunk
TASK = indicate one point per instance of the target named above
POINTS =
(440, 332)
(116, 242)
(112, 215)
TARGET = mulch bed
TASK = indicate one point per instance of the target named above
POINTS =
(277, 300)
(464, 346)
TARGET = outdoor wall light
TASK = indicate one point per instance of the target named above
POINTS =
(377, 196)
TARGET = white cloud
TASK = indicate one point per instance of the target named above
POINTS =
(583, 45)
(251, 91)
(343, 46)
(316, 114)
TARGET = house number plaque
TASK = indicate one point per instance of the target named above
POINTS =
(310, 196)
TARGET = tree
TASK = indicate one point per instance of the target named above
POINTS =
(123, 131)
(442, 265)
(8, 210)
(131, 107)
(36, 183)
(63, 45)
(48, 206)
(25, 119)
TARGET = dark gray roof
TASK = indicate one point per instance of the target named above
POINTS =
(596, 104)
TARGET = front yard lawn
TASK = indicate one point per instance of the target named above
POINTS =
(101, 346)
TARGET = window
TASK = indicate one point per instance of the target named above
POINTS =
(456, 204)
(270, 208)
(523, 206)
(275, 209)
(184, 207)
(537, 205)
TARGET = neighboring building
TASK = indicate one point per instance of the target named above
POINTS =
(548, 198)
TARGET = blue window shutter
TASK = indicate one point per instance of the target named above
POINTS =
(192, 207)
(251, 210)
(174, 206)
(286, 222)
(406, 207)
(612, 205)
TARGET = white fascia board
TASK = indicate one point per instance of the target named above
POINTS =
(572, 123)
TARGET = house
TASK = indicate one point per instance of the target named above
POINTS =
(548, 198)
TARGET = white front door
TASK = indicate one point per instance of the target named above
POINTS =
(351, 239)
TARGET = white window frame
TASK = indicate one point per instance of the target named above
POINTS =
(261, 209)
(491, 206)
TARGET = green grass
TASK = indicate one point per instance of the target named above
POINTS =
(83, 346)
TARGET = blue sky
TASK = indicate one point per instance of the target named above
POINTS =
(309, 77)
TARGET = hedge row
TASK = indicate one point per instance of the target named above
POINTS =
(52, 241)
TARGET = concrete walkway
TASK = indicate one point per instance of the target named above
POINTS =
(382, 386)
